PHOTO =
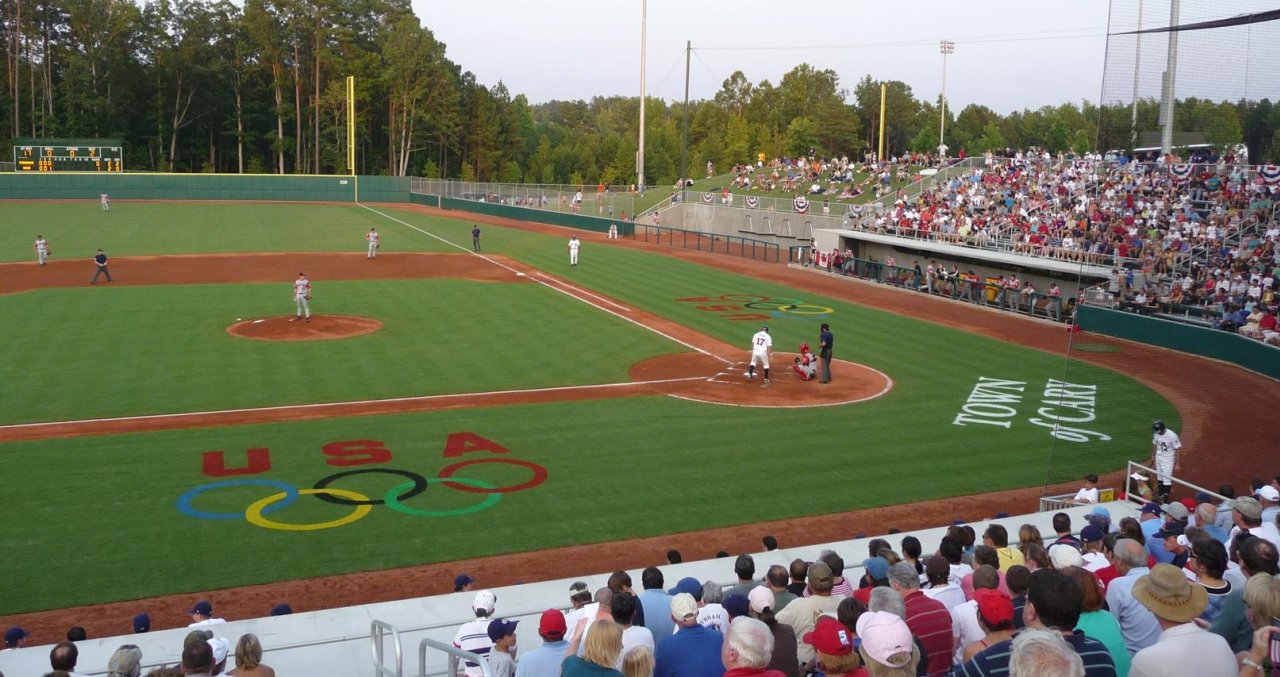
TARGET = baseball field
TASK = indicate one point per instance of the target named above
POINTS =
(173, 433)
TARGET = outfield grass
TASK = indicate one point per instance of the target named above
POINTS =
(616, 469)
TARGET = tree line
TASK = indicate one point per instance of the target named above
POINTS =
(211, 86)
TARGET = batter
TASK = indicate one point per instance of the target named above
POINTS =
(761, 349)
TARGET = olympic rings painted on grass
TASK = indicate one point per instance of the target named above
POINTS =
(393, 498)
(253, 514)
(790, 306)
(184, 501)
(416, 485)
(539, 475)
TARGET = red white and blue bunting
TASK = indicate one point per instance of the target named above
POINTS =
(708, 198)
(801, 204)
(752, 202)
(1269, 174)
(1180, 171)
(1084, 165)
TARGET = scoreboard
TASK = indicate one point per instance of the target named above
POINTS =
(67, 155)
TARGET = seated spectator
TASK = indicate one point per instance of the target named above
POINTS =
(939, 585)
(1091, 538)
(638, 662)
(620, 581)
(125, 662)
(64, 656)
(965, 628)
(623, 608)
(692, 650)
(711, 612)
(951, 549)
(994, 612)
(745, 569)
(221, 649)
(1176, 602)
(784, 658)
(747, 649)
(1043, 652)
(249, 658)
(832, 646)
(875, 575)
(998, 538)
(775, 580)
(1139, 627)
(887, 648)
(656, 603)
(197, 659)
(801, 613)
(202, 615)
(545, 660)
(1088, 493)
(927, 618)
(600, 651)
(1095, 621)
(1018, 581)
(983, 554)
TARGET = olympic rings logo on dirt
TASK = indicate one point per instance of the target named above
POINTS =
(740, 307)
(396, 498)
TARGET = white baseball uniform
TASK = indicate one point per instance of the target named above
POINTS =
(106, 202)
(301, 292)
(574, 245)
(1166, 445)
(372, 237)
(42, 249)
(761, 344)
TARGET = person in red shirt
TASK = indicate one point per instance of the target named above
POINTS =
(927, 618)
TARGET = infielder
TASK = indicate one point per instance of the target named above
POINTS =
(806, 363)
(1166, 445)
(302, 297)
(42, 249)
(372, 237)
(574, 245)
(106, 202)
(761, 349)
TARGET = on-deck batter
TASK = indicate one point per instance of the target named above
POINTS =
(761, 349)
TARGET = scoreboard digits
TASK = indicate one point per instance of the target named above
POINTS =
(33, 157)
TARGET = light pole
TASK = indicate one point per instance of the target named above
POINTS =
(946, 47)
(644, 25)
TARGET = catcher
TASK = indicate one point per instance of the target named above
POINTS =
(302, 297)
(805, 365)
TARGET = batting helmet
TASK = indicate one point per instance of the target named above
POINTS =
(1157, 427)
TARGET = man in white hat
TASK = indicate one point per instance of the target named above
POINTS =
(473, 636)
(1176, 602)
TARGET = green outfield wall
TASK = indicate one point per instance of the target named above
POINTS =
(580, 221)
(87, 186)
(1219, 345)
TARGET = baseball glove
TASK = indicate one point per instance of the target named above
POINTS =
(308, 297)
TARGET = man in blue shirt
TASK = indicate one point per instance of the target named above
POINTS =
(100, 267)
(694, 651)
(545, 661)
(826, 342)
(657, 605)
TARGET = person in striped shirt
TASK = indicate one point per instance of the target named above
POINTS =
(473, 636)
(928, 618)
(1054, 602)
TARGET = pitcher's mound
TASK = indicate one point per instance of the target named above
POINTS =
(320, 328)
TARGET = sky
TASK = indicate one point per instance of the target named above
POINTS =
(1009, 54)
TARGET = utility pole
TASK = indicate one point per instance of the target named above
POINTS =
(946, 47)
(644, 24)
(1168, 93)
(684, 135)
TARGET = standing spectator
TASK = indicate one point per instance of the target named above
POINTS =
(1269, 499)
(579, 597)
(620, 581)
(473, 636)
(1043, 653)
(545, 660)
(928, 618)
(748, 647)
(784, 657)
(1139, 627)
(998, 538)
(100, 267)
(202, 615)
(125, 662)
(600, 651)
(502, 633)
(1176, 602)
(801, 614)
(693, 650)
(775, 580)
(657, 605)
(1094, 620)
(826, 344)
(623, 608)
(249, 658)
(745, 569)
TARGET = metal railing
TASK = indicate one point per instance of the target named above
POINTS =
(377, 637)
(1134, 496)
(455, 654)
(745, 247)
(614, 202)
(1064, 501)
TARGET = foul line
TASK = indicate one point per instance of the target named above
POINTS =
(329, 405)
(550, 286)
(580, 290)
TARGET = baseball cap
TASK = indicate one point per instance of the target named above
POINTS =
(877, 567)
(994, 605)
(125, 661)
(1177, 511)
(1269, 493)
(1091, 534)
(830, 637)
(1139, 476)
(885, 635)
(1169, 529)
(1151, 508)
(501, 627)
(281, 609)
(1248, 507)
(203, 607)
(484, 600)
(761, 598)
(221, 648)
(552, 625)
(819, 574)
(683, 605)
(12, 635)
(736, 604)
(688, 585)
(461, 581)
(1063, 555)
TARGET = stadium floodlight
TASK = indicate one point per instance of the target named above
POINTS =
(946, 47)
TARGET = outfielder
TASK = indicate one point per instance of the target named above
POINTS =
(372, 237)
(1166, 445)
(761, 349)
(574, 245)
(106, 202)
(806, 363)
(42, 249)
(302, 297)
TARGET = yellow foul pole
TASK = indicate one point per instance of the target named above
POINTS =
(351, 133)
(880, 155)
